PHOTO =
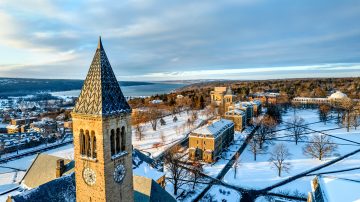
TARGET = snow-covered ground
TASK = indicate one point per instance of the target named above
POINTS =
(221, 194)
(260, 174)
(172, 132)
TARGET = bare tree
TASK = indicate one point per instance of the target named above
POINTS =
(2, 148)
(139, 131)
(324, 111)
(355, 122)
(278, 157)
(176, 171)
(320, 146)
(295, 128)
(154, 115)
(348, 106)
(137, 119)
(255, 148)
(236, 163)
(266, 129)
(195, 173)
(162, 137)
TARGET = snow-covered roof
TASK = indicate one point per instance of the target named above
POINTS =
(243, 105)
(144, 166)
(338, 95)
(214, 128)
(156, 101)
(257, 102)
(145, 170)
(236, 112)
(339, 189)
(12, 127)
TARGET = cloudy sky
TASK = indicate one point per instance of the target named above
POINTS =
(172, 40)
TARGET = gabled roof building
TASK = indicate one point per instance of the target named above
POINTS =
(207, 142)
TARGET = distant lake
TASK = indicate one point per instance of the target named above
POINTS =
(131, 91)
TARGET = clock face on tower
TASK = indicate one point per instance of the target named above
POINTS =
(89, 176)
(119, 173)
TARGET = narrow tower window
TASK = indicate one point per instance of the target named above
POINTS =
(123, 139)
(87, 143)
(112, 142)
(93, 149)
(118, 140)
(82, 142)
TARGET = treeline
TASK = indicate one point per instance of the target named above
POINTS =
(317, 87)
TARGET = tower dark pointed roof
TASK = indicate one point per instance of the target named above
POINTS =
(229, 91)
(101, 93)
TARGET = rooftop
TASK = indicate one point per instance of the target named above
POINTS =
(339, 189)
(338, 95)
(101, 93)
(214, 128)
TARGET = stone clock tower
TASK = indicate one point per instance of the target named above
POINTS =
(102, 136)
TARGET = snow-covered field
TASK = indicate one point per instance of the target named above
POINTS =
(172, 132)
(260, 174)
(220, 194)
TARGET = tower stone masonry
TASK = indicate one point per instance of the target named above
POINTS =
(102, 136)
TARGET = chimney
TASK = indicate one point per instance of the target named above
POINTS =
(60, 167)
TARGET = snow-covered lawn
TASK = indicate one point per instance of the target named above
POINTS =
(260, 174)
(220, 193)
(172, 132)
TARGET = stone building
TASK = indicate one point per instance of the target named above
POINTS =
(238, 117)
(265, 97)
(257, 107)
(207, 142)
(222, 96)
(335, 97)
(247, 107)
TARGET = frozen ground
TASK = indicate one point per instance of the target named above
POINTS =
(221, 194)
(260, 174)
(151, 141)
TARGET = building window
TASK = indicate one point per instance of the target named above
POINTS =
(82, 142)
(123, 139)
(93, 149)
(112, 141)
(118, 139)
(87, 144)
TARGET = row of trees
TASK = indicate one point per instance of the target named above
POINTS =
(317, 87)
(347, 111)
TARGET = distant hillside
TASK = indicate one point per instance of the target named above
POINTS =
(21, 87)
(307, 87)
